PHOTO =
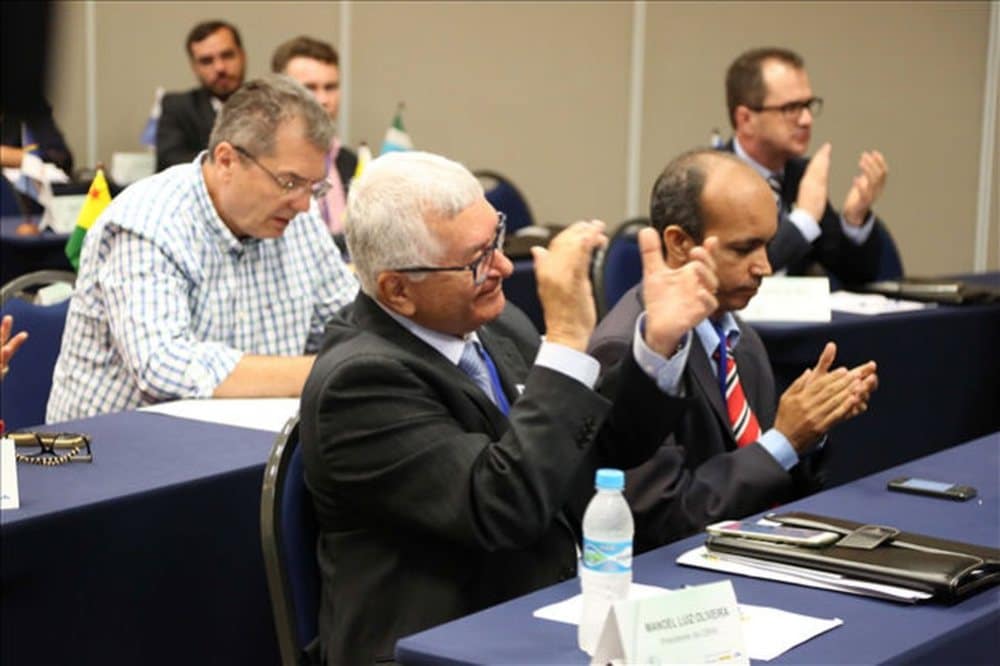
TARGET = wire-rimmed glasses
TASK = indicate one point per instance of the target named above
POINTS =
(480, 266)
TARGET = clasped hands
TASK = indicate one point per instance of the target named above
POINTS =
(866, 187)
(820, 398)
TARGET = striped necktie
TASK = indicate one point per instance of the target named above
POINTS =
(476, 363)
(776, 181)
(746, 430)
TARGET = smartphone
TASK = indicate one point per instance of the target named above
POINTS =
(952, 491)
(767, 531)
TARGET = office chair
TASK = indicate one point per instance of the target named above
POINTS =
(288, 534)
(504, 196)
(26, 388)
(621, 267)
(890, 263)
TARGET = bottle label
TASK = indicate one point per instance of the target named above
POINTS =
(607, 556)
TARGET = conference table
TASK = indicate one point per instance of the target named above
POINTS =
(20, 254)
(150, 554)
(873, 630)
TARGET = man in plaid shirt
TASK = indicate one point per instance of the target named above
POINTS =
(213, 278)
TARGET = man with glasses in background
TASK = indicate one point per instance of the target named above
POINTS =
(212, 278)
(450, 452)
(771, 109)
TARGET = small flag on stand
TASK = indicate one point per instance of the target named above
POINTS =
(98, 198)
(715, 141)
(364, 157)
(148, 137)
(396, 137)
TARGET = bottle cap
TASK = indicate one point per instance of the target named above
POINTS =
(609, 479)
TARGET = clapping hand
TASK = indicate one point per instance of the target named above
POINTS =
(820, 398)
(815, 183)
(866, 187)
(564, 288)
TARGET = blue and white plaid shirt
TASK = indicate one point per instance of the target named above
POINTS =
(168, 300)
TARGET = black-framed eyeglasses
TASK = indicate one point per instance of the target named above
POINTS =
(48, 449)
(290, 183)
(480, 266)
(793, 110)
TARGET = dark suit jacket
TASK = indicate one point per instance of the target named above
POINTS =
(699, 476)
(184, 127)
(432, 504)
(833, 251)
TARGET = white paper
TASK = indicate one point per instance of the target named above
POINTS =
(769, 632)
(570, 610)
(872, 304)
(63, 212)
(57, 292)
(782, 298)
(127, 168)
(9, 496)
(701, 558)
(258, 413)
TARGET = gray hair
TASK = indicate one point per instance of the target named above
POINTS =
(252, 115)
(388, 207)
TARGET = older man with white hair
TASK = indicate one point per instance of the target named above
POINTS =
(449, 450)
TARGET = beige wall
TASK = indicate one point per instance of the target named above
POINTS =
(540, 91)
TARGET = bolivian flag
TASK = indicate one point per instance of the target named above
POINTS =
(98, 198)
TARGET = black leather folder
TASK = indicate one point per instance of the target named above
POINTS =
(948, 570)
(954, 292)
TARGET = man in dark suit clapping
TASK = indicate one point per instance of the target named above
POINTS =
(771, 109)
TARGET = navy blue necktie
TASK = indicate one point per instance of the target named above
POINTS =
(476, 363)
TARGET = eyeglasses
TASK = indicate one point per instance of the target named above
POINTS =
(793, 110)
(480, 266)
(290, 184)
(47, 444)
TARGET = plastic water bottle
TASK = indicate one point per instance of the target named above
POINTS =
(606, 561)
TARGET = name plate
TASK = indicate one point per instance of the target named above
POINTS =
(696, 625)
(9, 497)
(782, 298)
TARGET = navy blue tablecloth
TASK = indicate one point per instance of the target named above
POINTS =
(874, 631)
(149, 555)
(939, 380)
